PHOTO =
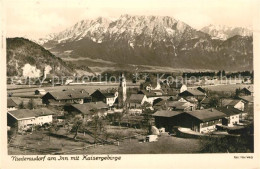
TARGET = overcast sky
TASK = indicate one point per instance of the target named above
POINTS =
(37, 18)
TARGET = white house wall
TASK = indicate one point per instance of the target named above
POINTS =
(11, 108)
(43, 119)
(35, 121)
(240, 106)
(24, 122)
(233, 120)
(183, 88)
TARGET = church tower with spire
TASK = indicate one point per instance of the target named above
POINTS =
(122, 91)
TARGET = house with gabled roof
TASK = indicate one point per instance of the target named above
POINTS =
(135, 101)
(66, 97)
(167, 119)
(156, 94)
(160, 104)
(87, 110)
(193, 93)
(249, 100)
(26, 117)
(153, 85)
(202, 121)
(11, 105)
(180, 106)
(174, 87)
(232, 115)
(235, 103)
(108, 96)
(247, 91)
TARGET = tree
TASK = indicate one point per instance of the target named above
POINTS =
(77, 123)
(223, 73)
(242, 144)
(118, 117)
(13, 131)
(237, 93)
(31, 104)
(147, 113)
(214, 101)
(250, 112)
(219, 73)
(53, 128)
(21, 105)
(98, 126)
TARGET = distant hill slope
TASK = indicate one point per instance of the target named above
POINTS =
(151, 40)
(27, 58)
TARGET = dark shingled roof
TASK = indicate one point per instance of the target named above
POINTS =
(11, 103)
(230, 102)
(107, 93)
(206, 114)
(160, 103)
(26, 113)
(250, 89)
(229, 111)
(17, 100)
(249, 99)
(69, 94)
(166, 113)
(136, 98)
(86, 107)
(193, 92)
(205, 101)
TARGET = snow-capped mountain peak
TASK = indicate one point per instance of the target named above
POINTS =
(224, 32)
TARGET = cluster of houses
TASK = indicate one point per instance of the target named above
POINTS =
(174, 105)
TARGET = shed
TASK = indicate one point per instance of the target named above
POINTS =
(40, 92)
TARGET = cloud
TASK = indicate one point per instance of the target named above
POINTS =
(194, 19)
(37, 18)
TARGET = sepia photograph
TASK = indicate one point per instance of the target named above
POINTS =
(128, 77)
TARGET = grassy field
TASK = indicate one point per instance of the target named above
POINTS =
(227, 88)
(26, 91)
(165, 145)
(42, 142)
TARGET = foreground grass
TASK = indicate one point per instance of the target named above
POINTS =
(41, 142)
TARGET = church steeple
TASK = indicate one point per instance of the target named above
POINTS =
(122, 91)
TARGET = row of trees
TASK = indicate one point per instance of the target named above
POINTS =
(219, 73)
(30, 105)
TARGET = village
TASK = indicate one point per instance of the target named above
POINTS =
(154, 116)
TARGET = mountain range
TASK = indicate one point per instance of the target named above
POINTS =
(225, 32)
(131, 40)
(155, 41)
